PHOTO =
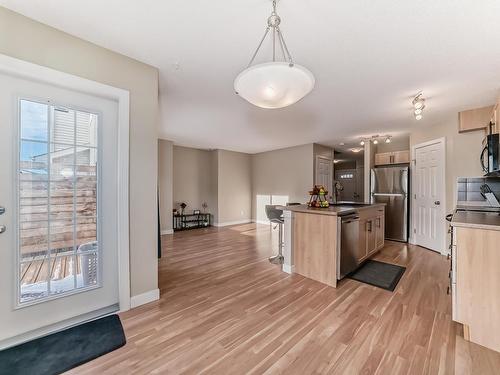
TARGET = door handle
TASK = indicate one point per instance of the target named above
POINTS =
(3, 228)
(2, 210)
(437, 203)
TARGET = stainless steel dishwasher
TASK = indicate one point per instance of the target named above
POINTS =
(349, 245)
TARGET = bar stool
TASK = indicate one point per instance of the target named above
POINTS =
(275, 216)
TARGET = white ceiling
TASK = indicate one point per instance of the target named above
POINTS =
(368, 56)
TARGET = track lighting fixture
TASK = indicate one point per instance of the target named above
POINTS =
(388, 139)
(418, 103)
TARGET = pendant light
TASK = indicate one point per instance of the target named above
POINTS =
(274, 84)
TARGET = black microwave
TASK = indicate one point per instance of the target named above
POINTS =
(491, 155)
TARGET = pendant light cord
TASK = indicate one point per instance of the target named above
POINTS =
(273, 22)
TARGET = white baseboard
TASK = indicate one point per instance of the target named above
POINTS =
(166, 231)
(288, 269)
(142, 299)
(237, 222)
(265, 222)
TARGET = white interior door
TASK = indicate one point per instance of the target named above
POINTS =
(324, 173)
(58, 185)
(429, 195)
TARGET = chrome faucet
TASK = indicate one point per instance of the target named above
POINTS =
(337, 188)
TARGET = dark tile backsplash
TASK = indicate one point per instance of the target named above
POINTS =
(469, 188)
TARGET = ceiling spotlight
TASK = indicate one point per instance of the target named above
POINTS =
(388, 140)
(362, 143)
(418, 101)
(341, 144)
(375, 141)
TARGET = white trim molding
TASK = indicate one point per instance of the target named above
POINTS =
(288, 268)
(166, 231)
(143, 298)
(228, 223)
(413, 238)
(264, 222)
(12, 66)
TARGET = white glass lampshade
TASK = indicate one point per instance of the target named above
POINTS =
(274, 84)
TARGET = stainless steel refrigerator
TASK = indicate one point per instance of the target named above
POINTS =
(389, 185)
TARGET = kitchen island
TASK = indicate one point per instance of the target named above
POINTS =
(313, 238)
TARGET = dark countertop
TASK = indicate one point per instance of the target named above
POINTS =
(343, 209)
(476, 219)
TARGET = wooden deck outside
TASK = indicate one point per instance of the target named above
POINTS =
(58, 267)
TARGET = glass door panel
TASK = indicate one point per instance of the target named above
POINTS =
(57, 198)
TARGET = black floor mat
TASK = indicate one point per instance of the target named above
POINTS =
(64, 350)
(382, 275)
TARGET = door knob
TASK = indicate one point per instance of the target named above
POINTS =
(3, 228)
(2, 210)
(437, 203)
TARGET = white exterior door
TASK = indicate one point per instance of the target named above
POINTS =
(58, 185)
(429, 195)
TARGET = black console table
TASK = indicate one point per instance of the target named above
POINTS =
(190, 221)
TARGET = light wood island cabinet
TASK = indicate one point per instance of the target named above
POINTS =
(312, 239)
(315, 247)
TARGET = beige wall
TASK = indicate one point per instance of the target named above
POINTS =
(397, 144)
(194, 178)
(26, 39)
(213, 190)
(462, 153)
(281, 173)
(165, 183)
(234, 187)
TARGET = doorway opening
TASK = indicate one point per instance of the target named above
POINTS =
(349, 176)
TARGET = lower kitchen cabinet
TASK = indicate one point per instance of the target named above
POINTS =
(380, 230)
(474, 285)
(371, 239)
(371, 232)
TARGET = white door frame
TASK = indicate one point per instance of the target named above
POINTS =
(34, 72)
(442, 142)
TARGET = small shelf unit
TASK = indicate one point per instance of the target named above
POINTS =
(191, 221)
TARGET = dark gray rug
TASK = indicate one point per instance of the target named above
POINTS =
(382, 275)
(64, 350)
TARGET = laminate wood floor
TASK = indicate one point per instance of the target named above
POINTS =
(224, 309)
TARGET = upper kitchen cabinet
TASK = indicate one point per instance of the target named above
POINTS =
(395, 157)
(475, 119)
